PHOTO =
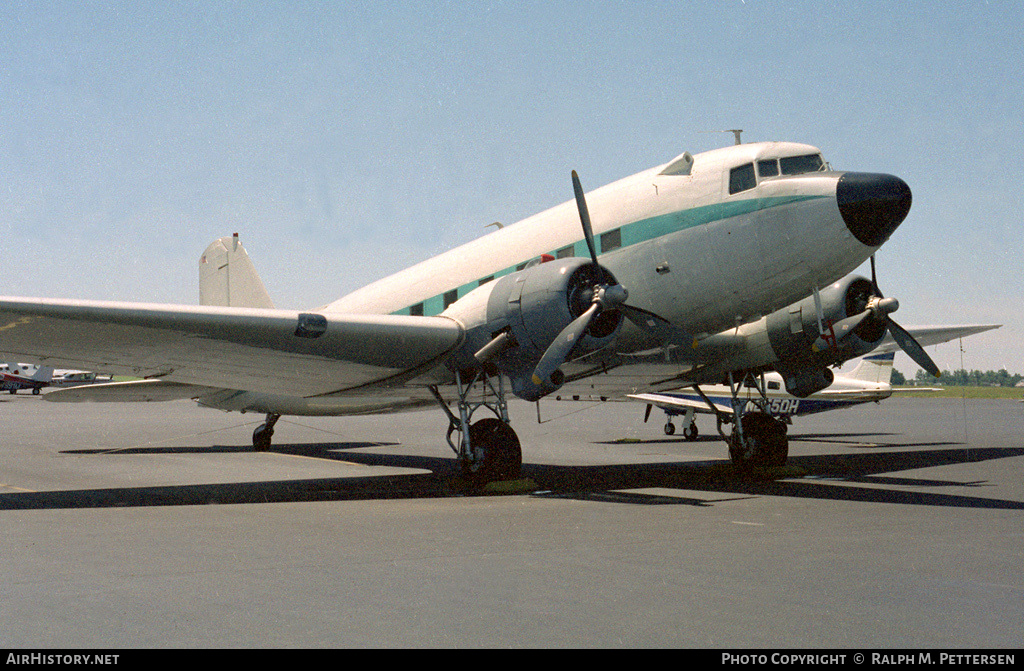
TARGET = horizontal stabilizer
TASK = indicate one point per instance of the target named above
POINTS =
(134, 391)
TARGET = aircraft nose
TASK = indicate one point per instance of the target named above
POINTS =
(872, 205)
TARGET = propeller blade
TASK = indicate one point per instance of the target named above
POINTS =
(561, 346)
(844, 327)
(874, 281)
(912, 348)
(877, 307)
(606, 297)
(581, 205)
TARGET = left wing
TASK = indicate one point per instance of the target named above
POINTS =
(253, 349)
(933, 335)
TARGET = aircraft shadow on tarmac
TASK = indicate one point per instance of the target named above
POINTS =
(826, 477)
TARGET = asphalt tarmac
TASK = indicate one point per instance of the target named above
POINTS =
(155, 525)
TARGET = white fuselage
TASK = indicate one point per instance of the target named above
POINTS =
(682, 245)
(689, 251)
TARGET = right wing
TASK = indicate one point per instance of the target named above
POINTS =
(272, 351)
(676, 401)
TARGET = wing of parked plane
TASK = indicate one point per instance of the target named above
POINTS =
(933, 335)
(262, 350)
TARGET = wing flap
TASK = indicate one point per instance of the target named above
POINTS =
(132, 391)
(273, 351)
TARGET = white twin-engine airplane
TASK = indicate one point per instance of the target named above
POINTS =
(869, 382)
(683, 278)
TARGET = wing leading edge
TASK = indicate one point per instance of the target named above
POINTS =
(264, 350)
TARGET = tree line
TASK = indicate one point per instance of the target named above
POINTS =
(962, 378)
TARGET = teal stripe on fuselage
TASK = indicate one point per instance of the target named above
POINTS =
(640, 231)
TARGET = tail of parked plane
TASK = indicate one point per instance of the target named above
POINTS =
(227, 277)
(876, 368)
(25, 371)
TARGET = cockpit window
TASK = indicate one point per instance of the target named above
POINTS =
(742, 178)
(768, 168)
(798, 165)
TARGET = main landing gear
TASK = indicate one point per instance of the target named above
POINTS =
(264, 432)
(487, 449)
(689, 425)
(757, 438)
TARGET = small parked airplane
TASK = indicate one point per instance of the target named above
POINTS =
(869, 381)
(669, 285)
(17, 376)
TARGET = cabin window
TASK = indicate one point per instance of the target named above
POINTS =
(416, 310)
(485, 281)
(773, 385)
(798, 165)
(769, 168)
(564, 252)
(450, 297)
(611, 240)
(742, 178)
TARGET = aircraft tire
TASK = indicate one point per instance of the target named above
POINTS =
(502, 454)
(261, 438)
(35, 392)
(766, 443)
(690, 432)
(670, 428)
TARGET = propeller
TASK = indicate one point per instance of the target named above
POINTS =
(880, 308)
(605, 296)
(906, 341)
(646, 320)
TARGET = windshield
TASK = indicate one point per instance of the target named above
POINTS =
(797, 165)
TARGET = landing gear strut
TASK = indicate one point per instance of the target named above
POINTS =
(757, 438)
(488, 449)
(264, 432)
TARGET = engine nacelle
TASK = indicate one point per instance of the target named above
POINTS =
(793, 331)
(802, 382)
(511, 321)
(788, 340)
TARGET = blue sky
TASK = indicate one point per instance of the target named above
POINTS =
(344, 141)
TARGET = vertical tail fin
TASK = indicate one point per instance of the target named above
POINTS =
(30, 371)
(228, 277)
(877, 368)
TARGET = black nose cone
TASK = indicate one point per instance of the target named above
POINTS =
(872, 205)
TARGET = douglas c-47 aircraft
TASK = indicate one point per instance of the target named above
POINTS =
(676, 281)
